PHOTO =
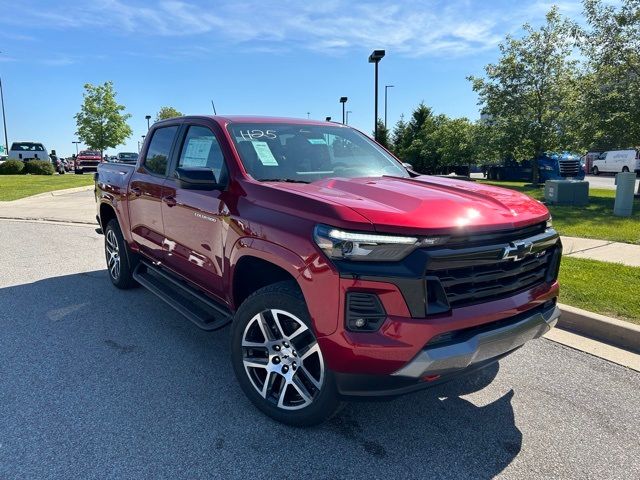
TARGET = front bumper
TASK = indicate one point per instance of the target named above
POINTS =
(440, 363)
(481, 346)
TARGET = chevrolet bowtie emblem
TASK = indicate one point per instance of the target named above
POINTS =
(517, 251)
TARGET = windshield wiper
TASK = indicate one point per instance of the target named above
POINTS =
(288, 180)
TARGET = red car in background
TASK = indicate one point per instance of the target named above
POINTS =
(87, 161)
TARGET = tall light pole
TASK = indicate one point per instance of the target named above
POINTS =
(348, 112)
(148, 117)
(4, 120)
(386, 87)
(375, 58)
(76, 142)
(343, 101)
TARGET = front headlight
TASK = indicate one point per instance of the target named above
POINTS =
(344, 245)
(549, 222)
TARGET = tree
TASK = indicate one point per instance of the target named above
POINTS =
(610, 105)
(167, 112)
(455, 142)
(101, 121)
(529, 92)
(383, 135)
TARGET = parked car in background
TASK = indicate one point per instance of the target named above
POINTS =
(127, 157)
(87, 161)
(26, 151)
(615, 161)
(58, 163)
(551, 166)
(4, 158)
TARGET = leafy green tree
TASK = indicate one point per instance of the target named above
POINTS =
(167, 112)
(529, 92)
(383, 136)
(455, 142)
(610, 101)
(101, 121)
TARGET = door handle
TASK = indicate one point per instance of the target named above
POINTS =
(136, 191)
(170, 201)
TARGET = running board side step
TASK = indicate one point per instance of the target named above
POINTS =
(205, 312)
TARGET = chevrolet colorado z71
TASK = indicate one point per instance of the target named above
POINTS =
(342, 273)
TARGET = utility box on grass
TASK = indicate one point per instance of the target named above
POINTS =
(566, 192)
(625, 184)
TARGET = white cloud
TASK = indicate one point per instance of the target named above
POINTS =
(412, 28)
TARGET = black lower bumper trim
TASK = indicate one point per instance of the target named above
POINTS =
(388, 386)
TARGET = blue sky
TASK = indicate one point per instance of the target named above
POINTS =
(265, 57)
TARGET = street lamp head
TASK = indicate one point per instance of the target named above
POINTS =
(389, 86)
(376, 56)
(328, 119)
(148, 117)
(343, 99)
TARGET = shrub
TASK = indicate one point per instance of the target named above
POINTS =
(38, 167)
(11, 167)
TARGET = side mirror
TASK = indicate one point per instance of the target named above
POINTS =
(196, 178)
(408, 166)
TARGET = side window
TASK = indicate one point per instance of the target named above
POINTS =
(157, 157)
(201, 149)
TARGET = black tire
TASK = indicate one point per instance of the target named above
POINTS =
(320, 403)
(122, 276)
(595, 171)
(625, 169)
(78, 172)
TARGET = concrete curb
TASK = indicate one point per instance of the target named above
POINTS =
(49, 220)
(600, 327)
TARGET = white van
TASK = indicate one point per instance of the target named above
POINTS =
(28, 151)
(617, 161)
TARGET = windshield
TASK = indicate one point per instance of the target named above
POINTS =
(28, 147)
(128, 157)
(89, 153)
(305, 153)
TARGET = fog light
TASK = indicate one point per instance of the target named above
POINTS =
(360, 322)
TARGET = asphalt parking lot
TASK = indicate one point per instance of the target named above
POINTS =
(101, 383)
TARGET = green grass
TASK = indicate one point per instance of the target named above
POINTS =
(606, 288)
(595, 220)
(13, 187)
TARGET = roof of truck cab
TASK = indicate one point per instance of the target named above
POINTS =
(226, 119)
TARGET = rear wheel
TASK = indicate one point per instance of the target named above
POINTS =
(78, 172)
(277, 359)
(595, 171)
(625, 169)
(118, 257)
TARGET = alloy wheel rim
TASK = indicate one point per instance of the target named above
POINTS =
(113, 255)
(282, 359)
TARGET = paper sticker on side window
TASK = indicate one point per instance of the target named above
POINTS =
(264, 154)
(197, 152)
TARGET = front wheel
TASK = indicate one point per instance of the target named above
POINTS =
(277, 359)
(625, 169)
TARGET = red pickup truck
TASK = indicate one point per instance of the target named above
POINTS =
(342, 273)
(87, 161)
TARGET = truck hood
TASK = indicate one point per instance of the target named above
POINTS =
(426, 204)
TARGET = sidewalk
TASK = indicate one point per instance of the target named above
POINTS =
(601, 250)
(74, 205)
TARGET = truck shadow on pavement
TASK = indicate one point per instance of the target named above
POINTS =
(100, 382)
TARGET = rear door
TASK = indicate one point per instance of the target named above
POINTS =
(195, 221)
(145, 191)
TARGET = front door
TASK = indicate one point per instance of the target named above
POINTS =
(145, 192)
(195, 220)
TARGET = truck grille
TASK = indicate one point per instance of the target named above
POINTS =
(482, 283)
(569, 168)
